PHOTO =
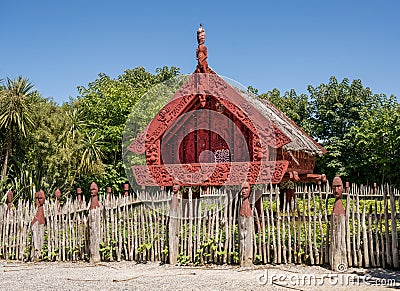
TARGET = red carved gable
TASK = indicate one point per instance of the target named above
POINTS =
(209, 85)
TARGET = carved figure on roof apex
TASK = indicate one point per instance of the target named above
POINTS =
(201, 52)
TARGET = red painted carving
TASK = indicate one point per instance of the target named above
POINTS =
(176, 189)
(226, 96)
(10, 197)
(201, 52)
(337, 190)
(299, 161)
(210, 173)
(126, 189)
(58, 195)
(94, 191)
(137, 146)
(245, 209)
(153, 152)
(79, 194)
(108, 193)
(257, 149)
(39, 217)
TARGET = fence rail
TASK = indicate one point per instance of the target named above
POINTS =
(135, 227)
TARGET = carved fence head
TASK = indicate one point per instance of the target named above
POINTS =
(337, 187)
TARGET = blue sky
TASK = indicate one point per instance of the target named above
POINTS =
(60, 45)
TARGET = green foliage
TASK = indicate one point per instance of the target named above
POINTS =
(143, 247)
(252, 90)
(183, 260)
(336, 109)
(48, 146)
(376, 142)
(359, 130)
(106, 250)
(296, 107)
(235, 256)
(15, 115)
(15, 111)
(336, 106)
(23, 183)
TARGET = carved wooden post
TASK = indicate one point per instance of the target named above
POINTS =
(126, 189)
(38, 223)
(174, 219)
(338, 253)
(58, 196)
(79, 194)
(109, 193)
(94, 225)
(246, 228)
(10, 197)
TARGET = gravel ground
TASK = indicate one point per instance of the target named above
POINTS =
(153, 276)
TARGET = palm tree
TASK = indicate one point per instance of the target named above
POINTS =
(92, 146)
(75, 123)
(15, 114)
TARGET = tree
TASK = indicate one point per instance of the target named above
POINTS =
(92, 154)
(15, 114)
(376, 142)
(296, 107)
(39, 160)
(336, 107)
(106, 103)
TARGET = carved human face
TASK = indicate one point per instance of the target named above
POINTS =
(58, 194)
(9, 196)
(94, 190)
(337, 187)
(40, 198)
(201, 37)
(203, 99)
(176, 187)
(245, 190)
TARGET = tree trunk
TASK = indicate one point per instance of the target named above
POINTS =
(8, 154)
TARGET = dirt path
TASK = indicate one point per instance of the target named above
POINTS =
(153, 276)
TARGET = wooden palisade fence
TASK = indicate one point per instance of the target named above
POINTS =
(135, 228)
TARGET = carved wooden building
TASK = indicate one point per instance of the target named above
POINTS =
(212, 133)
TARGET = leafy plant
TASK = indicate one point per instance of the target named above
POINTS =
(183, 260)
